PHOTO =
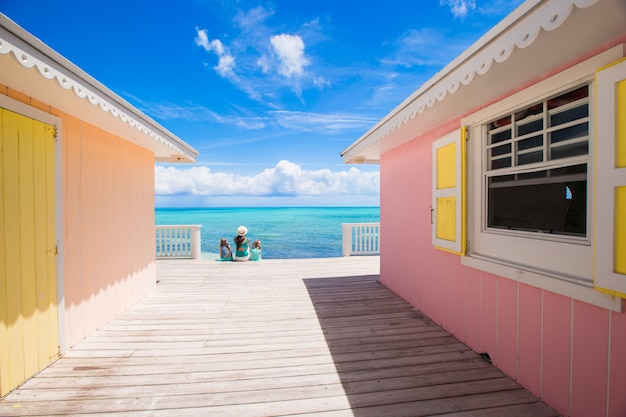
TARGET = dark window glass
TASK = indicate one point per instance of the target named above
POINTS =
(572, 132)
(569, 97)
(569, 115)
(530, 111)
(501, 150)
(526, 128)
(533, 142)
(501, 136)
(530, 157)
(501, 163)
(574, 149)
(549, 201)
(500, 123)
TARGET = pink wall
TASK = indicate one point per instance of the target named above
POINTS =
(570, 353)
(108, 223)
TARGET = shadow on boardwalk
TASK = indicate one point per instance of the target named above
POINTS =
(392, 360)
(308, 337)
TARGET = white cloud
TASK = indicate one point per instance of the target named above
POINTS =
(226, 62)
(459, 8)
(286, 179)
(290, 52)
(261, 62)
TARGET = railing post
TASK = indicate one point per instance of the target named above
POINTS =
(346, 239)
(178, 241)
(196, 246)
(360, 239)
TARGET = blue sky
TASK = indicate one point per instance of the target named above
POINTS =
(269, 92)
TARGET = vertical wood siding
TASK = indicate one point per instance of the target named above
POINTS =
(109, 201)
(28, 296)
(568, 352)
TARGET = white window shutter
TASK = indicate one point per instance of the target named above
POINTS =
(610, 180)
(448, 192)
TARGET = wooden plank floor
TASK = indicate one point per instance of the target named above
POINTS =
(317, 337)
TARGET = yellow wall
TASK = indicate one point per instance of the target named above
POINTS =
(108, 238)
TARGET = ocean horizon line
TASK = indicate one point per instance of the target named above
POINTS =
(261, 207)
(286, 232)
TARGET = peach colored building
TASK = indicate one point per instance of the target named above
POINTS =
(503, 200)
(77, 239)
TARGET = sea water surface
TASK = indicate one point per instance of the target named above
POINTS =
(285, 232)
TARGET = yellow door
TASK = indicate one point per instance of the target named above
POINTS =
(28, 287)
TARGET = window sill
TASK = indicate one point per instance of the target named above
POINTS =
(577, 290)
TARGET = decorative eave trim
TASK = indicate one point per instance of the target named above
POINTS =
(78, 85)
(495, 46)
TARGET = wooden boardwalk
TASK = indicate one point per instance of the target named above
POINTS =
(318, 337)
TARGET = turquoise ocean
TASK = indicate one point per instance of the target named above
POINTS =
(285, 232)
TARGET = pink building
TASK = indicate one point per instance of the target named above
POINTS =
(503, 200)
(77, 235)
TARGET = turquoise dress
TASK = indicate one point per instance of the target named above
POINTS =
(242, 253)
(255, 254)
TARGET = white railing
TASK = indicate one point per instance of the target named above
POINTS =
(178, 241)
(360, 239)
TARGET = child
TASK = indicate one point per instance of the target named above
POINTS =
(255, 252)
(226, 253)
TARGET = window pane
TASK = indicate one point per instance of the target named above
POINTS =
(555, 203)
(574, 149)
(530, 127)
(501, 150)
(529, 120)
(572, 132)
(530, 143)
(500, 123)
(569, 115)
(530, 157)
(501, 163)
(500, 136)
(533, 110)
(569, 97)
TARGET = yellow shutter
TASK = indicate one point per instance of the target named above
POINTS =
(28, 291)
(610, 180)
(448, 230)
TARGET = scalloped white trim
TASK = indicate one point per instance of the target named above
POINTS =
(50, 73)
(548, 17)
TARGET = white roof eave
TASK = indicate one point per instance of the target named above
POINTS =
(457, 83)
(34, 69)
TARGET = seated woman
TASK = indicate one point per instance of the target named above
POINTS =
(255, 252)
(242, 244)
(226, 253)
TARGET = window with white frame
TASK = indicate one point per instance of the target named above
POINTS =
(536, 167)
(530, 172)
(545, 187)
